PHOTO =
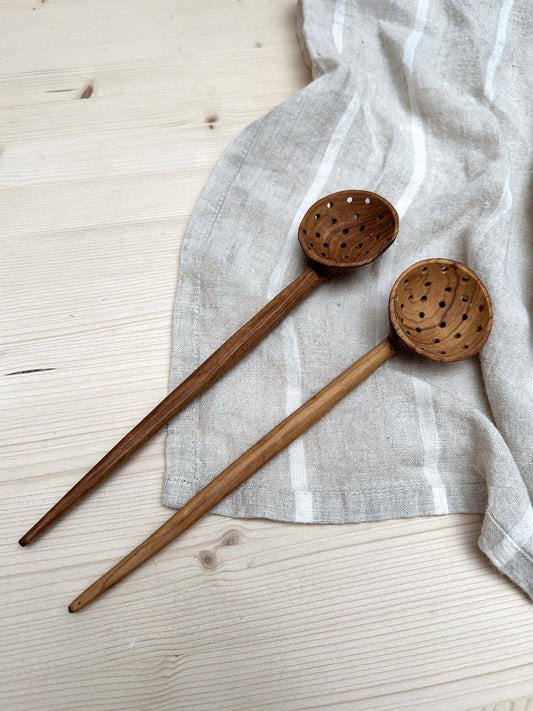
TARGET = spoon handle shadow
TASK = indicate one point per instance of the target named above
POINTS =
(202, 378)
(241, 469)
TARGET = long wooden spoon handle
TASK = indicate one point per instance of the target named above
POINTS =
(202, 378)
(241, 470)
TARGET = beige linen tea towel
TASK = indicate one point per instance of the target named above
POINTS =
(428, 104)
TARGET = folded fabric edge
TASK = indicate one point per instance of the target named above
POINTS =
(506, 554)
(355, 506)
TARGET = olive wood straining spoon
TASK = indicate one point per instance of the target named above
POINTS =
(346, 229)
(438, 308)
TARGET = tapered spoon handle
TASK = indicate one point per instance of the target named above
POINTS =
(202, 378)
(241, 470)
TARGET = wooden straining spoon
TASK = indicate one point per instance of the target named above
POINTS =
(437, 308)
(346, 229)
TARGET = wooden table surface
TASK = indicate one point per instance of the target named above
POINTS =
(113, 115)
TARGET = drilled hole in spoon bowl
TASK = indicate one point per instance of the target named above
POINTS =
(440, 309)
(348, 229)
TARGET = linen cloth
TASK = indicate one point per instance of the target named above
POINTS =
(428, 104)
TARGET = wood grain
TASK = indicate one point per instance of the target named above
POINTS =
(249, 615)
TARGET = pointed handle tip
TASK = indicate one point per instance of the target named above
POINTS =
(75, 605)
(34, 532)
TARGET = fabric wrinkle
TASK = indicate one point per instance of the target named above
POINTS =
(426, 104)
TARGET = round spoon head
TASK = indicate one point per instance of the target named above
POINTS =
(348, 229)
(440, 309)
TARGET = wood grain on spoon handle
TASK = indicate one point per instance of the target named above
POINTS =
(241, 470)
(202, 378)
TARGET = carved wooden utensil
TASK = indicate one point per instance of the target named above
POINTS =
(346, 229)
(437, 308)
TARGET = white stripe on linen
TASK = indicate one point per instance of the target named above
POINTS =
(431, 444)
(417, 130)
(338, 25)
(497, 51)
(297, 465)
(296, 453)
(426, 414)
(303, 499)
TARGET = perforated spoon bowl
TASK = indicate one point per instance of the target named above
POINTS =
(438, 308)
(348, 229)
(343, 230)
(441, 310)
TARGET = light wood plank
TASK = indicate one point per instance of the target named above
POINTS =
(237, 614)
